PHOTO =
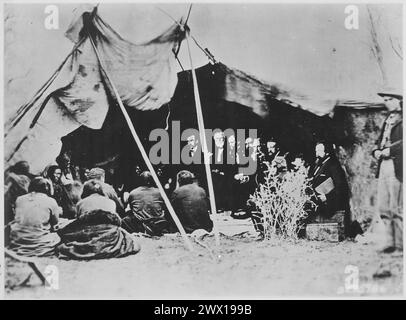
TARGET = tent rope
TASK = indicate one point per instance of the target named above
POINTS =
(177, 59)
(202, 132)
(188, 14)
(143, 152)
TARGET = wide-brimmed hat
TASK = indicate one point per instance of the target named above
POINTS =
(390, 94)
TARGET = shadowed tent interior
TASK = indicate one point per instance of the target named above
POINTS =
(294, 129)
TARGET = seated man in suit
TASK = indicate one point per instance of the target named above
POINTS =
(330, 184)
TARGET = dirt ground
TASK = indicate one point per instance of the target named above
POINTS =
(243, 267)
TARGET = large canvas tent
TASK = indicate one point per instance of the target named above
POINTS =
(69, 104)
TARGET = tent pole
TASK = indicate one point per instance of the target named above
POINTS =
(204, 143)
(144, 154)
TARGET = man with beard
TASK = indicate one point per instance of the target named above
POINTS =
(197, 165)
(236, 198)
(218, 169)
(271, 150)
(332, 193)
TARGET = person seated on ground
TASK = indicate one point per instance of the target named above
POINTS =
(53, 173)
(36, 217)
(96, 235)
(94, 198)
(74, 192)
(16, 182)
(70, 172)
(100, 175)
(147, 209)
(191, 204)
(67, 196)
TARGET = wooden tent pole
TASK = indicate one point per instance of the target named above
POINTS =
(143, 153)
(202, 132)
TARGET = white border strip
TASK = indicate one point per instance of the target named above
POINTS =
(2, 259)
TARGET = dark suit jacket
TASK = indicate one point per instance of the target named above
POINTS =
(338, 199)
(146, 202)
(191, 205)
(396, 152)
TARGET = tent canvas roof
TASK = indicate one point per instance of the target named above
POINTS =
(77, 93)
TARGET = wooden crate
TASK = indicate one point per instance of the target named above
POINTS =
(323, 232)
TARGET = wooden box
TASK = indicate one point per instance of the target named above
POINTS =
(323, 232)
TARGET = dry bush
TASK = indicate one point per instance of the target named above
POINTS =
(281, 200)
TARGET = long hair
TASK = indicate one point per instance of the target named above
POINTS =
(184, 177)
(51, 170)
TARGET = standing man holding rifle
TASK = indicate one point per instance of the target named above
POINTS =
(390, 157)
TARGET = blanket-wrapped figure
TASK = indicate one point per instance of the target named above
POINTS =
(96, 235)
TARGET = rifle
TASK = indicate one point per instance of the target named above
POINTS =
(381, 149)
(390, 145)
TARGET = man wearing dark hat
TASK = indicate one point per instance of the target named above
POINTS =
(390, 157)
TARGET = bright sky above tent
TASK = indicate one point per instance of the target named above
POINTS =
(306, 47)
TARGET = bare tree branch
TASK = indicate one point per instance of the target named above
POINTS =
(376, 48)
